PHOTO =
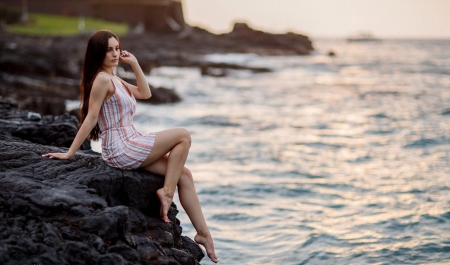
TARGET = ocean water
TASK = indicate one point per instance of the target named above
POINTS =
(326, 160)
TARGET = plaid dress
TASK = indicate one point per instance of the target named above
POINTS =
(122, 145)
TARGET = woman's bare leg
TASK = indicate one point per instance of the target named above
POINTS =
(176, 141)
(191, 204)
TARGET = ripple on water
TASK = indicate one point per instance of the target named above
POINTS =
(235, 217)
(297, 174)
(431, 220)
(425, 142)
(380, 115)
(381, 131)
(398, 254)
(214, 120)
(446, 216)
(320, 144)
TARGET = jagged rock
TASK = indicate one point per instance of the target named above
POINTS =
(248, 38)
(41, 56)
(43, 95)
(220, 69)
(33, 127)
(162, 95)
(81, 211)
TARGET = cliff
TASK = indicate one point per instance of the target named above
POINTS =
(81, 211)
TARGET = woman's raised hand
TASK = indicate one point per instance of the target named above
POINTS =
(127, 57)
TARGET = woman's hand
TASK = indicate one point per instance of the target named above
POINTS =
(126, 57)
(62, 156)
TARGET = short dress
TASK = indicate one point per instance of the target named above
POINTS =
(122, 145)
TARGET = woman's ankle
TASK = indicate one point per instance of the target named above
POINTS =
(167, 192)
(203, 233)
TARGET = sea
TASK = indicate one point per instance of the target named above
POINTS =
(339, 159)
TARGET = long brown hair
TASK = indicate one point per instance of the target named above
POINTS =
(93, 61)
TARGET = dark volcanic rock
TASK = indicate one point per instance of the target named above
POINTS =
(250, 39)
(81, 211)
(31, 126)
(39, 94)
(42, 56)
(40, 75)
(162, 95)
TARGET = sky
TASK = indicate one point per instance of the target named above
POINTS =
(326, 18)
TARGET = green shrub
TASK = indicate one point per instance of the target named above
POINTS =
(53, 25)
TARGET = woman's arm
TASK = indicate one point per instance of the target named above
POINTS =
(102, 85)
(142, 90)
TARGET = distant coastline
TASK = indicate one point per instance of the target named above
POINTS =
(48, 77)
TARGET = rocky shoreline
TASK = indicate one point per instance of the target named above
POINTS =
(41, 73)
(81, 211)
(78, 211)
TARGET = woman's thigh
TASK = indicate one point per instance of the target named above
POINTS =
(165, 141)
(158, 167)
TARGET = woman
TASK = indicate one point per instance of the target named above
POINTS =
(108, 105)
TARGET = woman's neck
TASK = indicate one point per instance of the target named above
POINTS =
(108, 70)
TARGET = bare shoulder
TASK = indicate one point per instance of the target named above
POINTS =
(102, 78)
(102, 82)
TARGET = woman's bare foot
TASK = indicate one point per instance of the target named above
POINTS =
(166, 201)
(207, 242)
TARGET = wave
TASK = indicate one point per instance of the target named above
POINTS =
(214, 120)
(425, 142)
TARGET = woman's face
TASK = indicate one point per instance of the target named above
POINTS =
(112, 53)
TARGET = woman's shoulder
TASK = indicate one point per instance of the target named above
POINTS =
(103, 81)
(102, 78)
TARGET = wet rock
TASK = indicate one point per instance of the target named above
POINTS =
(226, 66)
(210, 71)
(81, 211)
(162, 95)
(37, 128)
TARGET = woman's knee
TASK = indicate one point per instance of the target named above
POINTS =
(186, 177)
(185, 136)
